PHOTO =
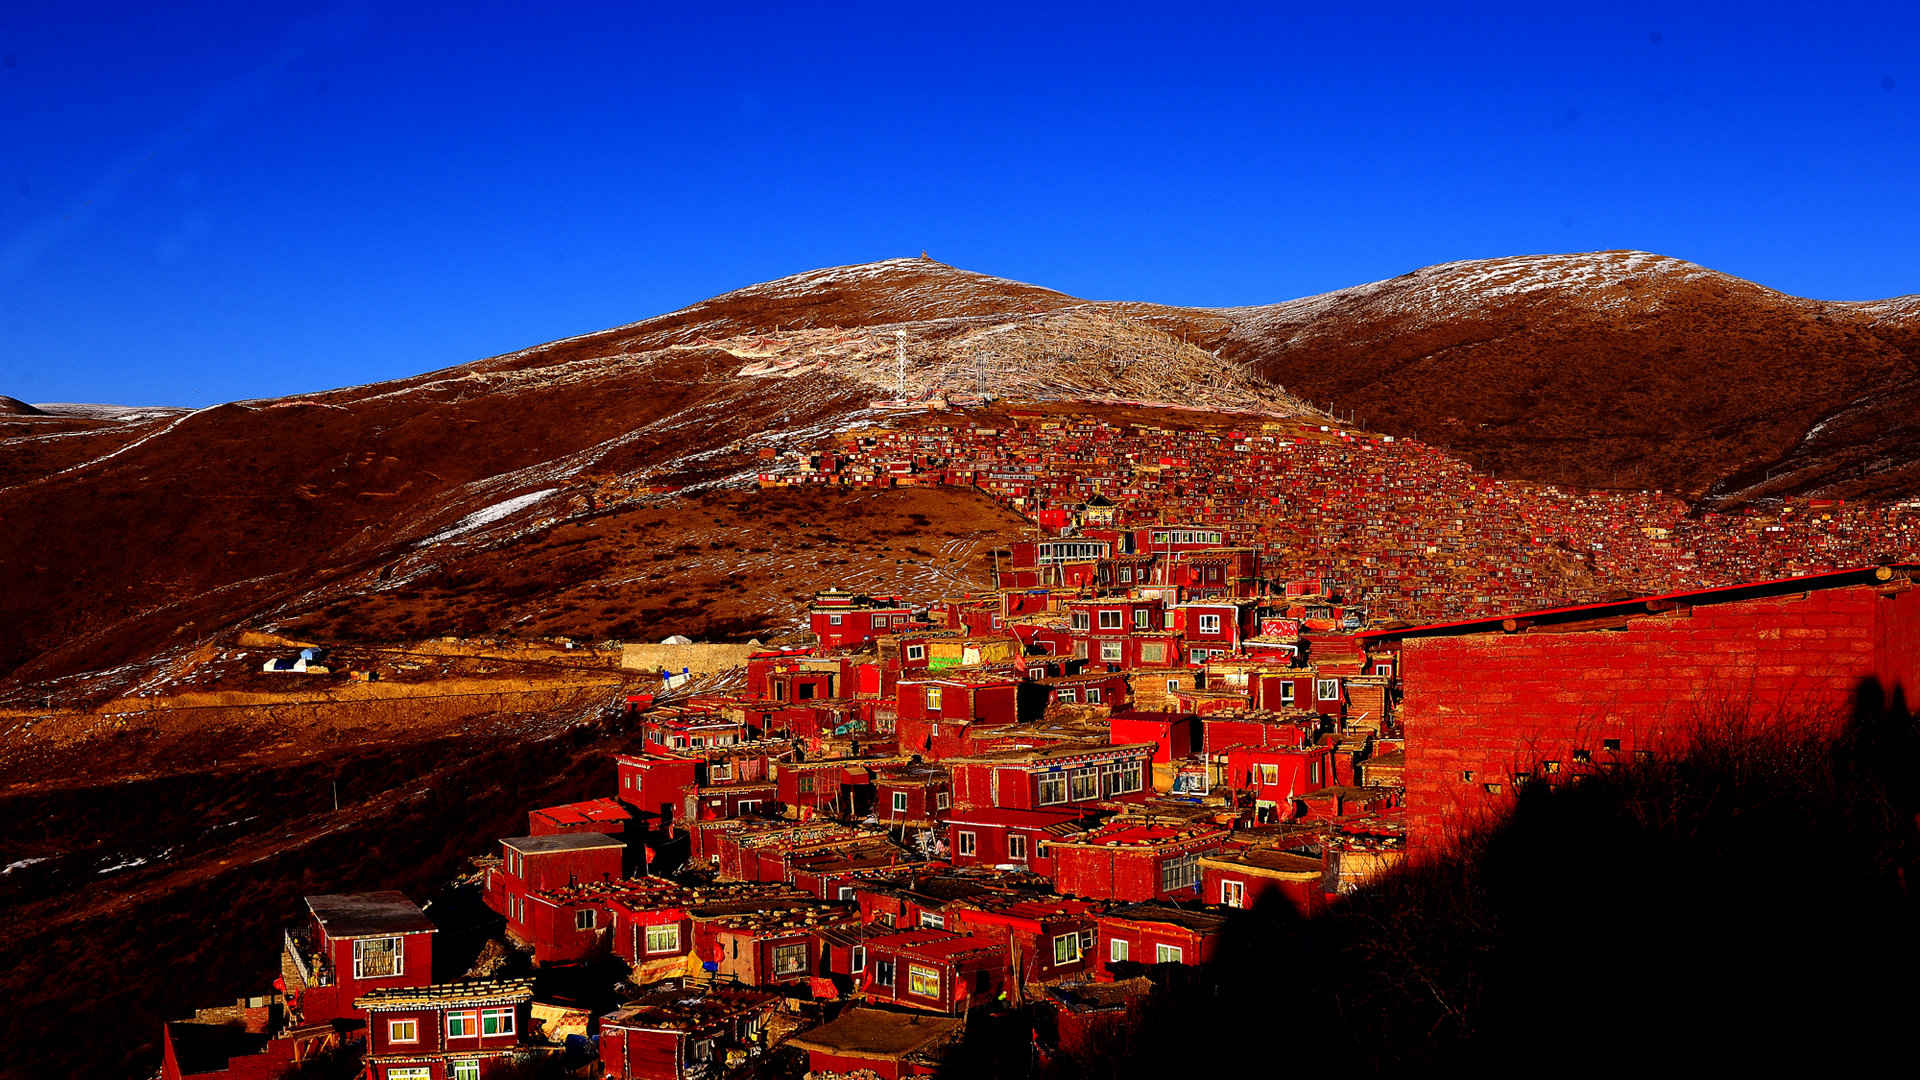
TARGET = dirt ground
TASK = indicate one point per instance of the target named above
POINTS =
(720, 566)
(153, 877)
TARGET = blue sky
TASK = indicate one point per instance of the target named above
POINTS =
(209, 202)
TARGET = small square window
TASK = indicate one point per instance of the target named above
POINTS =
(1466, 776)
(1550, 768)
(1610, 745)
(583, 919)
(1582, 756)
(1493, 789)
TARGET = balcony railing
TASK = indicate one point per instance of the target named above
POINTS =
(306, 960)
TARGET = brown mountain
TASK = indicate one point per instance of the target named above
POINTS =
(139, 529)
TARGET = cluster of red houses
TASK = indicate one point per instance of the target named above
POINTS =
(1391, 522)
(1032, 799)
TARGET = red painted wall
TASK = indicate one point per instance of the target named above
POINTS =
(1480, 708)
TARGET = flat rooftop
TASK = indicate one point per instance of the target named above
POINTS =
(862, 1032)
(368, 914)
(579, 841)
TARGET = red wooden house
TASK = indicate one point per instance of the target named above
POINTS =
(890, 1045)
(912, 796)
(1270, 779)
(1173, 735)
(1106, 688)
(605, 816)
(679, 731)
(1221, 732)
(1157, 934)
(357, 943)
(234, 1044)
(834, 787)
(1134, 859)
(656, 785)
(544, 864)
(934, 970)
(766, 943)
(938, 716)
(1007, 837)
(1212, 628)
(1243, 877)
(1092, 1020)
(1072, 774)
(448, 1031)
(1051, 938)
(843, 620)
(682, 1033)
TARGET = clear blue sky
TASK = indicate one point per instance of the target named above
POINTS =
(201, 203)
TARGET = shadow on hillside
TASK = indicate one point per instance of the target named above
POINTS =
(1748, 903)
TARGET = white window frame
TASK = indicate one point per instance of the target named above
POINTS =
(1083, 784)
(1197, 656)
(833, 620)
(1047, 780)
(1111, 652)
(1153, 652)
(933, 698)
(504, 1022)
(1142, 619)
(1286, 692)
(1326, 689)
(1093, 695)
(463, 1069)
(1016, 847)
(409, 1072)
(1078, 620)
(899, 802)
(916, 652)
(933, 920)
(720, 771)
(412, 1035)
(399, 957)
(469, 1022)
(1118, 621)
(585, 919)
(919, 975)
(662, 930)
(965, 843)
(1068, 695)
(1169, 954)
(1233, 894)
(1179, 872)
(1209, 624)
(1066, 948)
(1118, 950)
(857, 959)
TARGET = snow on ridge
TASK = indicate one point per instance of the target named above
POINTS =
(97, 411)
(1449, 287)
(491, 514)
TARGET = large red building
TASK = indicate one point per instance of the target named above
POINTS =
(357, 943)
(1494, 704)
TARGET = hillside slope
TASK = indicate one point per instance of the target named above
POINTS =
(163, 527)
(1614, 369)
